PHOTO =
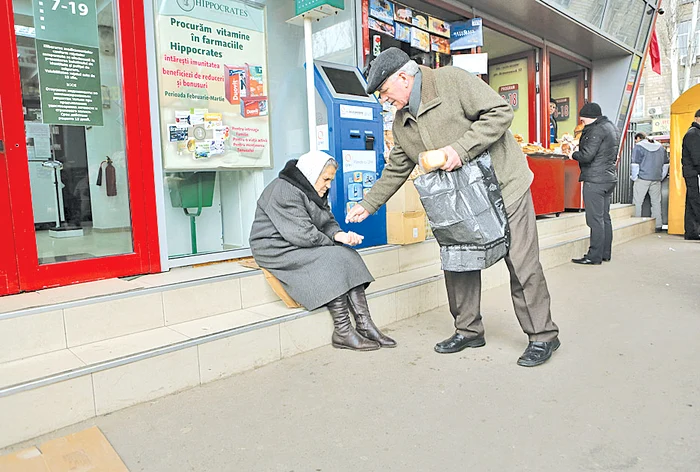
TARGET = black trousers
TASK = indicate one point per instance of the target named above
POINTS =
(692, 207)
(596, 198)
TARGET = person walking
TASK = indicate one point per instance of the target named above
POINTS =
(691, 170)
(649, 167)
(454, 111)
(597, 157)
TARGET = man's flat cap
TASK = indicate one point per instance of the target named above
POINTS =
(385, 64)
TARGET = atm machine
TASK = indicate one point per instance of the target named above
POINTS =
(349, 127)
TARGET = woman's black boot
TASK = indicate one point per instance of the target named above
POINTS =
(344, 335)
(363, 320)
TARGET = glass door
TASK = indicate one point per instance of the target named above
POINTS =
(77, 132)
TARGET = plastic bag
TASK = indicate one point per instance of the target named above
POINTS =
(466, 212)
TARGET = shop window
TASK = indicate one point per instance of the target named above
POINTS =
(638, 110)
(590, 11)
(232, 112)
(623, 19)
(70, 72)
(644, 33)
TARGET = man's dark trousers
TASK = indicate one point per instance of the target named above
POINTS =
(596, 198)
(692, 207)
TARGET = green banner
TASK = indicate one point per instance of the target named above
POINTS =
(69, 77)
(73, 22)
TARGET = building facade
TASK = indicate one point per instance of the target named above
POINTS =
(138, 134)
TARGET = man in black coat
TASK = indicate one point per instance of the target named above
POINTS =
(597, 158)
(691, 169)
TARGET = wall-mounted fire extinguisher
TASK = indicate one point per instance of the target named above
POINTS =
(110, 177)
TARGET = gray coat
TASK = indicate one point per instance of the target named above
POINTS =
(292, 237)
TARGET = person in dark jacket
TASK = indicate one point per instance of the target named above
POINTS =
(691, 170)
(597, 158)
(297, 239)
(649, 167)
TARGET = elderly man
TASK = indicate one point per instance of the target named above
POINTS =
(452, 110)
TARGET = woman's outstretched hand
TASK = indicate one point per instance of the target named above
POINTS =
(349, 238)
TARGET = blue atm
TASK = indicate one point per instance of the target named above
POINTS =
(349, 127)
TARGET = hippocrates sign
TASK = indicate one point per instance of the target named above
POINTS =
(213, 83)
(68, 62)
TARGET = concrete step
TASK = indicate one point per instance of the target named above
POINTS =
(100, 364)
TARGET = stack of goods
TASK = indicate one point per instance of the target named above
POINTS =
(555, 150)
(405, 217)
(567, 144)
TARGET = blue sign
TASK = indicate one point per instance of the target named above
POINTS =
(466, 34)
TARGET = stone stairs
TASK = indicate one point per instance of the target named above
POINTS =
(75, 352)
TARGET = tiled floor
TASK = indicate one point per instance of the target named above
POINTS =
(91, 244)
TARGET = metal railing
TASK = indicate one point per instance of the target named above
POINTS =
(623, 190)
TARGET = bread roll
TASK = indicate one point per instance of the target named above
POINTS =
(431, 160)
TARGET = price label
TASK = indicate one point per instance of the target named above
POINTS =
(510, 94)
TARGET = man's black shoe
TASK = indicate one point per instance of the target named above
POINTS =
(538, 352)
(659, 230)
(457, 342)
(606, 259)
(585, 261)
(690, 237)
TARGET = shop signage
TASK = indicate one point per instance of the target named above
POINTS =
(302, 6)
(510, 94)
(466, 34)
(660, 125)
(356, 113)
(563, 109)
(213, 85)
(68, 62)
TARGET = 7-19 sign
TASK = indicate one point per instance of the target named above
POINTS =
(510, 94)
(82, 9)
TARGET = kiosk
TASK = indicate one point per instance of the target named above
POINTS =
(349, 127)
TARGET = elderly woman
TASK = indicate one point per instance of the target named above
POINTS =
(296, 238)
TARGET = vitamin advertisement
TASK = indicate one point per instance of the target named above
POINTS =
(212, 75)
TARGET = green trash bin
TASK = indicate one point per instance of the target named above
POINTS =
(192, 190)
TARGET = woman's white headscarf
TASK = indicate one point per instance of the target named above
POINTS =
(312, 164)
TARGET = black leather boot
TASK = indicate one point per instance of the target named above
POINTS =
(344, 335)
(363, 320)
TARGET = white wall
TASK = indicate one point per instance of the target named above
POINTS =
(609, 77)
(108, 140)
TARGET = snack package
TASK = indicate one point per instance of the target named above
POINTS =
(432, 160)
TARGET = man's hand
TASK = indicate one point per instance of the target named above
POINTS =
(357, 214)
(349, 238)
(453, 159)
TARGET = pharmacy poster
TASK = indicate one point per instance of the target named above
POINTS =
(510, 80)
(213, 84)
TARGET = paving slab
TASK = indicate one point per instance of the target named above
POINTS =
(621, 394)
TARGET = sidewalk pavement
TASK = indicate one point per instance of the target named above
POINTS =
(621, 394)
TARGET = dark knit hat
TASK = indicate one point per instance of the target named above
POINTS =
(385, 64)
(591, 110)
(697, 114)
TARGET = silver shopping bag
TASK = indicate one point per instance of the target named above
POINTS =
(466, 212)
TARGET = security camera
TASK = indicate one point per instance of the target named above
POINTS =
(661, 11)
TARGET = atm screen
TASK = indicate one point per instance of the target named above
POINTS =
(345, 82)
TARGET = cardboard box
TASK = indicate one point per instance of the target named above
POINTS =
(86, 451)
(405, 199)
(405, 227)
(254, 75)
(253, 106)
(234, 83)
